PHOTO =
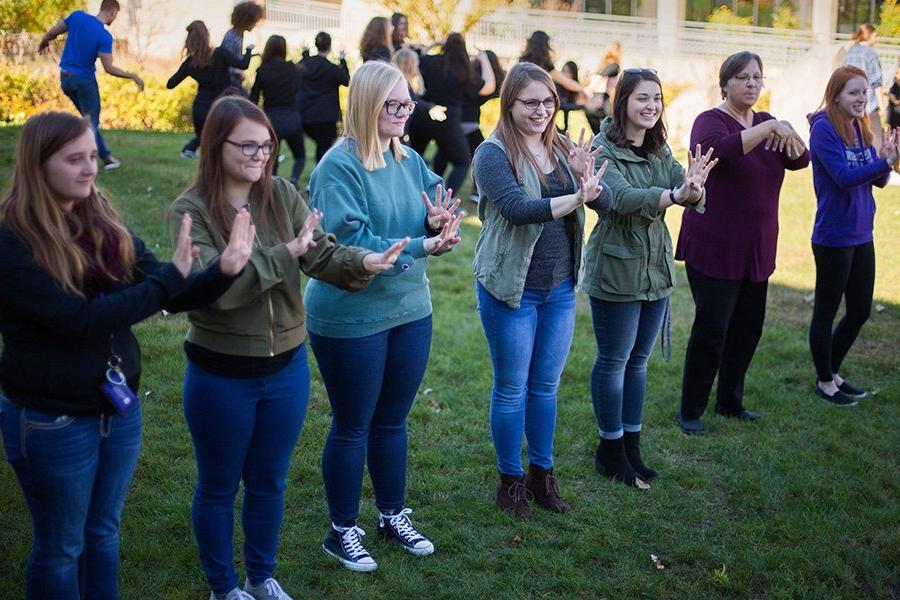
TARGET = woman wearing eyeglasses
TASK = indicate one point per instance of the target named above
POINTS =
(729, 250)
(247, 380)
(534, 184)
(372, 346)
(630, 272)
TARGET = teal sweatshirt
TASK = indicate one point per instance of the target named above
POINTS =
(372, 210)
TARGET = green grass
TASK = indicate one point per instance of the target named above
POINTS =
(804, 503)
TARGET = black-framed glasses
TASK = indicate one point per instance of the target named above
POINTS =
(251, 148)
(757, 79)
(639, 70)
(532, 105)
(392, 107)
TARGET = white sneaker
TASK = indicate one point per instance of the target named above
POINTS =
(267, 590)
(235, 594)
(110, 163)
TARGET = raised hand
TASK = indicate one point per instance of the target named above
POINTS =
(890, 147)
(699, 166)
(447, 238)
(590, 186)
(578, 152)
(185, 251)
(304, 240)
(438, 113)
(443, 207)
(376, 262)
(240, 245)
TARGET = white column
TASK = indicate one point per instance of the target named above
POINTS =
(669, 16)
(824, 20)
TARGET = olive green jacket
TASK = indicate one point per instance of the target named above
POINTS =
(503, 250)
(629, 253)
(262, 313)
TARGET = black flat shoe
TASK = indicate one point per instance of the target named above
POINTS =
(690, 426)
(852, 391)
(742, 415)
(838, 399)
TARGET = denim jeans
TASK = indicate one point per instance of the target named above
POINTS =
(74, 473)
(625, 333)
(85, 94)
(371, 383)
(528, 346)
(242, 429)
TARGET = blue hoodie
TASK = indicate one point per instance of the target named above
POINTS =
(843, 177)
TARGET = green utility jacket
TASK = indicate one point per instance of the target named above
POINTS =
(629, 253)
(503, 250)
(262, 313)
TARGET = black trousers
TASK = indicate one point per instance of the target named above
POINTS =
(728, 322)
(473, 139)
(847, 273)
(288, 127)
(450, 139)
(323, 134)
(199, 110)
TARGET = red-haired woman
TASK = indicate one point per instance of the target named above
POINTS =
(75, 279)
(845, 167)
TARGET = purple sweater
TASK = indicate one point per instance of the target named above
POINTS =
(737, 235)
(843, 177)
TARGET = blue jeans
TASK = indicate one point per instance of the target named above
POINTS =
(242, 429)
(85, 94)
(625, 333)
(371, 383)
(528, 346)
(74, 473)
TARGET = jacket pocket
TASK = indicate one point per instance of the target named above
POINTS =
(621, 270)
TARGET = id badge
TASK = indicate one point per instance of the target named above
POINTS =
(116, 390)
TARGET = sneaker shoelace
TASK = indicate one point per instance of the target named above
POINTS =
(519, 493)
(402, 524)
(352, 543)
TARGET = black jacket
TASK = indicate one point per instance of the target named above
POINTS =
(319, 85)
(213, 79)
(277, 81)
(56, 345)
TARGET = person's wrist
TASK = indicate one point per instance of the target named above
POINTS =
(674, 197)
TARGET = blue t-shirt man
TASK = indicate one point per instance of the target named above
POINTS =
(86, 41)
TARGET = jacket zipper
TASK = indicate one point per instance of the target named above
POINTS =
(271, 327)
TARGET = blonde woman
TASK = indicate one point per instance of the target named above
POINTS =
(408, 62)
(372, 346)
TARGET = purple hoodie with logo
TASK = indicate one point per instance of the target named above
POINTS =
(843, 177)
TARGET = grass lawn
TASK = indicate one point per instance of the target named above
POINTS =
(804, 503)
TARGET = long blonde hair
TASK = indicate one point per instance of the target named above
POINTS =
(33, 212)
(516, 80)
(369, 88)
(408, 63)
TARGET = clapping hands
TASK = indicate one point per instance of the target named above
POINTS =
(447, 238)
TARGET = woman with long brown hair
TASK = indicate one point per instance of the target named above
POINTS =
(278, 81)
(630, 268)
(528, 259)
(209, 68)
(247, 380)
(845, 166)
(75, 279)
(376, 40)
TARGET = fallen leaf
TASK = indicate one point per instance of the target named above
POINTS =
(809, 297)
(149, 188)
(641, 484)
(516, 541)
(427, 391)
(656, 562)
(879, 308)
(147, 393)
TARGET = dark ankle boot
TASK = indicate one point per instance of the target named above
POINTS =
(633, 452)
(512, 496)
(610, 460)
(542, 484)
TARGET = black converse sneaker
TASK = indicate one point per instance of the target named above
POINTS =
(344, 545)
(399, 527)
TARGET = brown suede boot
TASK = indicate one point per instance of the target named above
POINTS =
(513, 497)
(542, 484)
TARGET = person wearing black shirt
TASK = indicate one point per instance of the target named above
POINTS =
(209, 68)
(449, 79)
(277, 80)
(375, 43)
(319, 103)
(75, 279)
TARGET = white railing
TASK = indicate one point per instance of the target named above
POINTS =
(304, 15)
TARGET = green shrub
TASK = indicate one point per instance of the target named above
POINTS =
(24, 93)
